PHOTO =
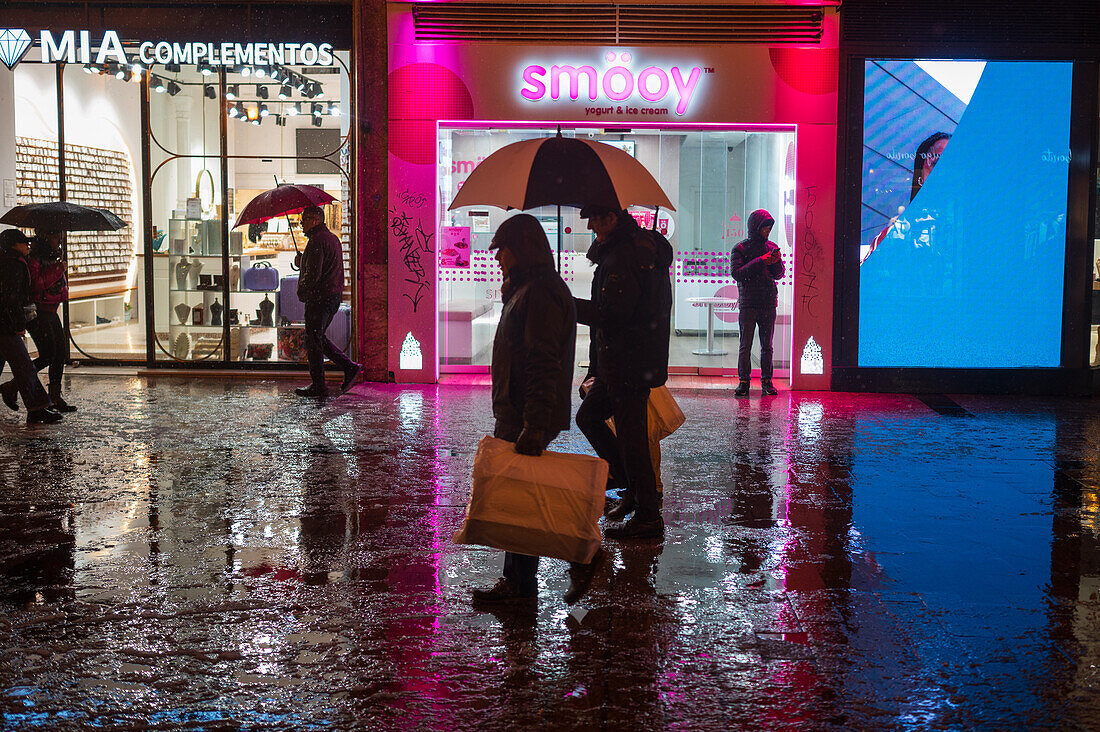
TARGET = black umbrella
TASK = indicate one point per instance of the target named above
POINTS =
(62, 216)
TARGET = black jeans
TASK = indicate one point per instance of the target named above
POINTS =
(627, 448)
(519, 569)
(319, 315)
(14, 353)
(747, 320)
(49, 336)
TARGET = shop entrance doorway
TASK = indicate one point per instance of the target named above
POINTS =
(714, 175)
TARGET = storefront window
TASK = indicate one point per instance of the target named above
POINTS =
(102, 145)
(714, 177)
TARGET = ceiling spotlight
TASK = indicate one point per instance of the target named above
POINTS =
(316, 109)
(231, 91)
(237, 110)
(208, 91)
(256, 121)
(299, 83)
(173, 88)
(275, 73)
(206, 69)
(280, 120)
(246, 71)
(89, 69)
(137, 68)
(172, 68)
(292, 110)
(263, 110)
(158, 84)
(261, 72)
(285, 92)
(334, 109)
(123, 74)
(316, 121)
(318, 90)
(261, 91)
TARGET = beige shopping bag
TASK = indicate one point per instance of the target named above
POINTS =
(664, 414)
(547, 506)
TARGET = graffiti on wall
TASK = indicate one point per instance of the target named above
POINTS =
(416, 248)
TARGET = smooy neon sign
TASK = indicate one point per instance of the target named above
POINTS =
(618, 82)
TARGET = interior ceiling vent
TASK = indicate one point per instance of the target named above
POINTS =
(617, 24)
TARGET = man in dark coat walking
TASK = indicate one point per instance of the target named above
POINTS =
(629, 316)
(16, 312)
(756, 265)
(533, 352)
(321, 289)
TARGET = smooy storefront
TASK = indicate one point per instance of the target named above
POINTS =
(726, 126)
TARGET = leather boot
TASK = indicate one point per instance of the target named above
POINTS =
(59, 404)
(623, 508)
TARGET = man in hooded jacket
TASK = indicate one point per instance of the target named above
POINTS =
(16, 311)
(532, 368)
(629, 316)
(756, 265)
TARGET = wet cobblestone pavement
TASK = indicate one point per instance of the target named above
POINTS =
(192, 554)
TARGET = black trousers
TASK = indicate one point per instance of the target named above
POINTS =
(747, 320)
(627, 448)
(14, 353)
(319, 316)
(519, 569)
(48, 334)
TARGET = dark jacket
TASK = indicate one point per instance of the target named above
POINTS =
(49, 285)
(536, 337)
(322, 273)
(15, 292)
(631, 307)
(755, 278)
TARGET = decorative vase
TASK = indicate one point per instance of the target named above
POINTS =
(215, 312)
(234, 276)
(264, 312)
(183, 268)
(182, 311)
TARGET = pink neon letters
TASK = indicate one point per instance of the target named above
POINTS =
(617, 83)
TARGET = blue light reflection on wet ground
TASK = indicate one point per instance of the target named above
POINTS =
(196, 555)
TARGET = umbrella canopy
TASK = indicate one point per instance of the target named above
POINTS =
(287, 198)
(62, 216)
(564, 171)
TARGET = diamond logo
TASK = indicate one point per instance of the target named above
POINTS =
(14, 42)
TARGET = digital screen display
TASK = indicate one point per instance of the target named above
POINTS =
(963, 222)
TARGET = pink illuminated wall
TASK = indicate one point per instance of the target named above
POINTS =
(737, 86)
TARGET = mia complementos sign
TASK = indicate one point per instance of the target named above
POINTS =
(616, 87)
(73, 46)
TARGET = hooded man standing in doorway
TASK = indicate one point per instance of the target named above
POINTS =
(630, 317)
(533, 352)
(756, 265)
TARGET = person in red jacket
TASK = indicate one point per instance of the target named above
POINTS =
(49, 289)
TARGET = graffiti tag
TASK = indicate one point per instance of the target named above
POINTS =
(415, 243)
(413, 199)
(810, 252)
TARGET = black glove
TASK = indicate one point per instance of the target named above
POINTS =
(532, 441)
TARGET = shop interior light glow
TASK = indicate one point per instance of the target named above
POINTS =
(292, 110)
(334, 109)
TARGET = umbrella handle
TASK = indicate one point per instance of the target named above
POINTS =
(290, 228)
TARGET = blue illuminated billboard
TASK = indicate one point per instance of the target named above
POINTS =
(963, 221)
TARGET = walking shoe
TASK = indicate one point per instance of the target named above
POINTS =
(10, 395)
(60, 405)
(622, 509)
(580, 577)
(350, 376)
(637, 528)
(311, 391)
(766, 387)
(44, 415)
(503, 593)
(742, 389)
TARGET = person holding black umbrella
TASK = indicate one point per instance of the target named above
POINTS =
(321, 288)
(16, 311)
(49, 288)
(629, 316)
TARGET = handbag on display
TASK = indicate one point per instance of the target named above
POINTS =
(261, 277)
(546, 506)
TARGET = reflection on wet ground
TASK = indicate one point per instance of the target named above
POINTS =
(188, 554)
